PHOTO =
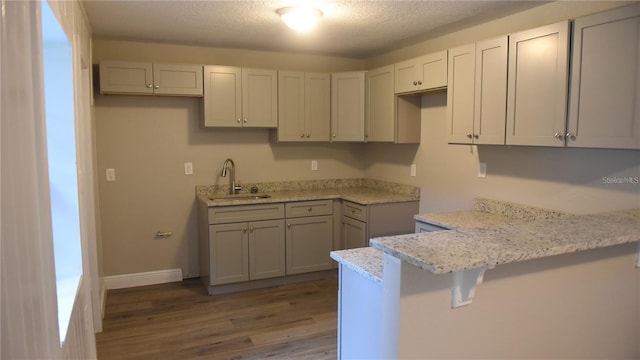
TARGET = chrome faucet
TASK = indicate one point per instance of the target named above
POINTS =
(233, 189)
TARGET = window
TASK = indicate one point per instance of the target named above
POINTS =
(61, 149)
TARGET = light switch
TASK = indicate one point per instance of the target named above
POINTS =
(111, 174)
(482, 170)
(188, 168)
(413, 169)
(314, 165)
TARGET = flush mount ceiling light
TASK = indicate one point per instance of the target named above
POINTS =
(299, 18)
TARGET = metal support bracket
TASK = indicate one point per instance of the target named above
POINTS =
(464, 285)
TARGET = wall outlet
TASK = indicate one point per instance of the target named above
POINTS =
(111, 174)
(482, 170)
(188, 168)
(413, 169)
(314, 165)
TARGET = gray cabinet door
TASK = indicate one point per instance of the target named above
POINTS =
(308, 242)
(604, 110)
(228, 253)
(266, 249)
(538, 86)
(354, 233)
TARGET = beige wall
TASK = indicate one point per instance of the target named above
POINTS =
(147, 140)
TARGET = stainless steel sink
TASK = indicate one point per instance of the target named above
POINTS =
(239, 197)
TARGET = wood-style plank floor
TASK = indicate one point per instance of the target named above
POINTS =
(180, 321)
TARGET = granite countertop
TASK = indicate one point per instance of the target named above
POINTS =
(361, 191)
(465, 219)
(366, 261)
(487, 213)
(456, 250)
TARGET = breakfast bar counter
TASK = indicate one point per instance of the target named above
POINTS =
(569, 281)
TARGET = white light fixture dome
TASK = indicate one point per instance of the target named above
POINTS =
(299, 18)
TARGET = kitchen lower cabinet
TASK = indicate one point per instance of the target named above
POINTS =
(241, 243)
(246, 251)
(266, 249)
(228, 253)
(363, 222)
(354, 233)
(309, 242)
(309, 236)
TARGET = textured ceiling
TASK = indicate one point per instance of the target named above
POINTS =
(357, 29)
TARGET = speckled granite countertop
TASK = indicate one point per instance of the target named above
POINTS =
(461, 249)
(488, 213)
(361, 191)
(366, 261)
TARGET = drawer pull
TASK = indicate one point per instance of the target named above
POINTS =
(309, 209)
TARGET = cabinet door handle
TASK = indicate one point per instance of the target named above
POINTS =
(238, 121)
(415, 83)
(244, 229)
(149, 86)
(476, 136)
(245, 120)
(289, 226)
(558, 136)
(570, 136)
(156, 87)
(419, 82)
(469, 136)
(301, 135)
(334, 135)
(308, 135)
(251, 228)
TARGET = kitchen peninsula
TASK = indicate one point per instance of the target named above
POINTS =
(560, 286)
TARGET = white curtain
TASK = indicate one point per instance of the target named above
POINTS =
(28, 299)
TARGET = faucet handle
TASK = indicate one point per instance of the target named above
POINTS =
(254, 190)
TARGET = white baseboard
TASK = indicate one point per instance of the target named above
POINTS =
(142, 279)
(103, 297)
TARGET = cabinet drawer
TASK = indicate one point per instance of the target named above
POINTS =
(231, 214)
(309, 208)
(354, 211)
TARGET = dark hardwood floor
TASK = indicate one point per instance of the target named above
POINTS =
(180, 321)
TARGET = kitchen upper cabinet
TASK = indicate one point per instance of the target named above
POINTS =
(604, 107)
(347, 106)
(126, 77)
(477, 93)
(304, 106)
(538, 86)
(380, 107)
(235, 97)
(421, 74)
(389, 118)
